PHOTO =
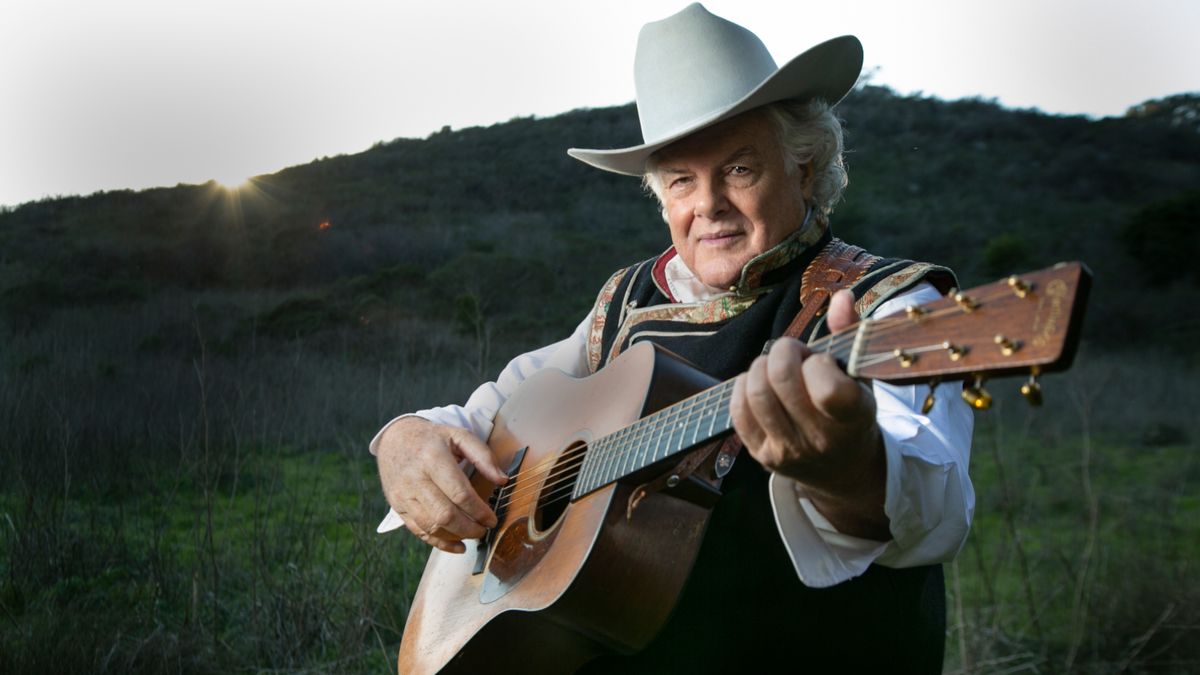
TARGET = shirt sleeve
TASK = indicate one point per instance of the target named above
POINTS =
(569, 356)
(929, 502)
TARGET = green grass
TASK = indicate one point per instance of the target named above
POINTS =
(1083, 548)
(291, 577)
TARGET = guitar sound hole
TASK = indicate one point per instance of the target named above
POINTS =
(556, 490)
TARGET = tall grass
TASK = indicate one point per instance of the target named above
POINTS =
(1086, 534)
(180, 492)
(180, 495)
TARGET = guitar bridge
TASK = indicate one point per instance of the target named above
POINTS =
(484, 546)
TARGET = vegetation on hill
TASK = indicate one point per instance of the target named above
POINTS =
(189, 377)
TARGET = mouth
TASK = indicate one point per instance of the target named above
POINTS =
(719, 238)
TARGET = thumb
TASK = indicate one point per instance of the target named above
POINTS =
(841, 311)
(480, 455)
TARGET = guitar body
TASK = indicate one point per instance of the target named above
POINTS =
(570, 578)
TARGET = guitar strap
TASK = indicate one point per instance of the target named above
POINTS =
(839, 265)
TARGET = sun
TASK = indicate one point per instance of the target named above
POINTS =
(233, 183)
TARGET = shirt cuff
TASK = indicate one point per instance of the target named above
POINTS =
(821, 555)
(929, 500)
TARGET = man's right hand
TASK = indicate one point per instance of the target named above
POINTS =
(422, 480)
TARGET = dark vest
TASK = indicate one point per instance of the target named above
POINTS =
(743, 606)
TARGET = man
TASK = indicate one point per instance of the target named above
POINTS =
(825, 547)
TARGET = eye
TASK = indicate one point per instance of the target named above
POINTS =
(679, 182)
(740, 174)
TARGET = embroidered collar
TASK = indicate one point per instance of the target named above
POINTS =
(679, 283)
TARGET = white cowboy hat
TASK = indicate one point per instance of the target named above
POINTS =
(694, 69)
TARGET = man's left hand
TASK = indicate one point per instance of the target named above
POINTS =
(800, 416)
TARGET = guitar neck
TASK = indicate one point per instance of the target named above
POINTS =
(670, 431)
(655, 437)
(1019, 325)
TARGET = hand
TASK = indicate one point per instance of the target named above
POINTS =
(418, 466)
(799, 415)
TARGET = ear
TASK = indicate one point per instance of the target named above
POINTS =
(806, 177)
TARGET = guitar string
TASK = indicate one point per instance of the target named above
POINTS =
(831, 343)
(564, 487)
(558, 491)
(618, 453)
(876, 329)
(638, 440)
(568, 475)
(694, 406)
(896, 322)
(834, 343)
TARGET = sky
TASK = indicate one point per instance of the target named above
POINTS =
(135, 94)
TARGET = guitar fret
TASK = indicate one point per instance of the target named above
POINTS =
(712, 418)
(643, 448)
(626, 442)
(657, 442)
(639, 460)
(701, 412)
(673, 429)
(627, 460)
(647, 434)
(628, 455)
(587, 473)
(630, 444)
(609, 457)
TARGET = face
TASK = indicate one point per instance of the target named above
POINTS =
(728, 196)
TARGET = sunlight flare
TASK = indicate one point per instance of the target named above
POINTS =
(233, 183)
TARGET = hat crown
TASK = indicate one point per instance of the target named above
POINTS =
(690, 65)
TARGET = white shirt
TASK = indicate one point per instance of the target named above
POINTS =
(929, 500)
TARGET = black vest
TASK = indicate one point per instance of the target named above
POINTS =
(743, 607)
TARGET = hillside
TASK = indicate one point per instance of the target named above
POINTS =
(501, 212)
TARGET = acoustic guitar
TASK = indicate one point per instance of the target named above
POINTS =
(577, 564)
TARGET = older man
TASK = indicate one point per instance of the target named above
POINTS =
(825, 546)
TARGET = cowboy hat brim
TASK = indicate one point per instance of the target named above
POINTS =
(827, 71)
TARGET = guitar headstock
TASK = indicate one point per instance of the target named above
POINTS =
(1026, 324)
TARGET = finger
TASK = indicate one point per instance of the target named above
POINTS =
(442, 541)
(743, 421)
(451, 488)
(440, 515)
(785, 369)
(478, 453)
(833, 394)
(764, 403)
(841, 311)
(417, 521)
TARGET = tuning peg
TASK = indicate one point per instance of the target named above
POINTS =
(953, 351)
(1019, 286)
(1007, 346)
(927, 405)
(1032, 391)
(965, 301)
(976, 396)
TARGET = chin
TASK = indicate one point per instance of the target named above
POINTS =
(722, 281)
(721, 276)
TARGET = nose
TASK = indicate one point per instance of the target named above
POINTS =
(711, 202)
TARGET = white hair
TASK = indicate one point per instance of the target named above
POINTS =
(810, 134)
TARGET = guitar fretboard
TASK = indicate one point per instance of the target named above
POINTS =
(655, 437)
